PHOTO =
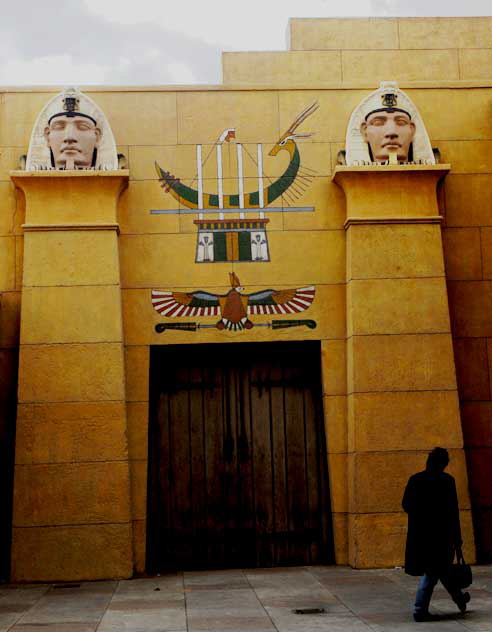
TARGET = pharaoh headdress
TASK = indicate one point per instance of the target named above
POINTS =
(71, 102)
(387, 97)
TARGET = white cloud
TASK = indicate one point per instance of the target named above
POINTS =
(152, 68)
(163, 42)
(54, 70)
(180, 72)
(415, 8)
(235, 25)
(63, 42)
(262, 24)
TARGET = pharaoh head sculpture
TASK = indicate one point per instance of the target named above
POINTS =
(71, 132)
(387, 123)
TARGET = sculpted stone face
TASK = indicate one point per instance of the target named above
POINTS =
(72, 141)
(385, 131)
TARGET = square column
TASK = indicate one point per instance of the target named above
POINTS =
(401, 382)
(72, 487)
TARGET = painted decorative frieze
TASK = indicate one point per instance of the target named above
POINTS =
(231, 228)
(71, 132)
(386, 128)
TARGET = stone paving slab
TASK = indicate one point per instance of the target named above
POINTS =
(55, 627)
(250, 600)
(15, 600)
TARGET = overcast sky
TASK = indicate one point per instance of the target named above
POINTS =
(77, 42)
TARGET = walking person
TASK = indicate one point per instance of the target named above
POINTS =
(434, 533)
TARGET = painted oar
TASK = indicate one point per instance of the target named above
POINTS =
(275, 324)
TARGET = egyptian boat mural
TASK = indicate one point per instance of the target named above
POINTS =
(233, 308)
(242, 236)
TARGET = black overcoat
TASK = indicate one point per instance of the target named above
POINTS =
(434, 533)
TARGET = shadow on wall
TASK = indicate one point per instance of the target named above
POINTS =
(8, 407)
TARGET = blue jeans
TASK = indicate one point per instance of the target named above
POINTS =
(425, 588)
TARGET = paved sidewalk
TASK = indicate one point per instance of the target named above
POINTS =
(258, 600)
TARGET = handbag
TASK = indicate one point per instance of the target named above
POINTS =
(461, 572)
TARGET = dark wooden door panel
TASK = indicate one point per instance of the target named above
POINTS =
(237, 466)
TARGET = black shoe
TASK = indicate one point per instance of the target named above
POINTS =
(420, 617)
(461, 603)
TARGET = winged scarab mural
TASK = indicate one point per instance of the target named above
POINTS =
(234, 307)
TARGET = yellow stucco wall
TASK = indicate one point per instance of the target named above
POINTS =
(71, 510)
(442, 65)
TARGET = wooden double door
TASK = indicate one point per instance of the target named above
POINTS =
(237, 457)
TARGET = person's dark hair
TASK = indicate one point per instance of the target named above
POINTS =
(438, 459)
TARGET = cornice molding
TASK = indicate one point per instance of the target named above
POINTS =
(421, 219)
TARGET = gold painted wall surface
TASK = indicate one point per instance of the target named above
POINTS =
(443, 65)
(71, 467)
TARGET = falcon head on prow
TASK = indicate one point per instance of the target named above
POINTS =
(288, 139)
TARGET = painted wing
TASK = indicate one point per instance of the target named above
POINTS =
(281, 301)
(174, 304)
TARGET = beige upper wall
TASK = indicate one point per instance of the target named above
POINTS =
(340, 33)
(341, 51)
(388, 33)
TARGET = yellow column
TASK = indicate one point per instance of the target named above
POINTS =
(72, 489)
(401, 383)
